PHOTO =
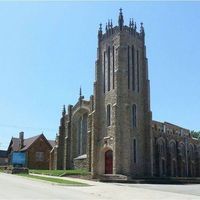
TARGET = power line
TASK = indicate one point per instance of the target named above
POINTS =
(26, 127)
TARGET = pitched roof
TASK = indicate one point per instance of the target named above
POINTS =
(15, 143)
(29, 141)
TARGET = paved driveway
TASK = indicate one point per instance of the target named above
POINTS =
(16, 187)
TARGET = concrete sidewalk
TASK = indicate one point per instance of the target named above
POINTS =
(20, 188)
(126, 191)
(89, 182)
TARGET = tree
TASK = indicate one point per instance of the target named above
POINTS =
(195, 134)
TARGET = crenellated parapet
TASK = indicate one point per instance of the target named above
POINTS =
(111, 30)
(168, 129)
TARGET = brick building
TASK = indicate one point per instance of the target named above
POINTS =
(113, 132)
(37, 150)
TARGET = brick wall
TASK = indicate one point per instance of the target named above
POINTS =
(39, 146)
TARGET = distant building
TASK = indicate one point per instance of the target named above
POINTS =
(3, 158)
(37, 150)
(113, 132)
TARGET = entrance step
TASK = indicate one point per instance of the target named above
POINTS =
(118, 178)
(113, 178)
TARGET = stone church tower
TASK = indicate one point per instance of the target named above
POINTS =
(113, 132)
(121, 121)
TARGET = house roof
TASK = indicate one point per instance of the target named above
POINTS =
(3, 154)
(29, 141)
(15, 143)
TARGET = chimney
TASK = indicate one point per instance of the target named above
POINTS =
(21, 138)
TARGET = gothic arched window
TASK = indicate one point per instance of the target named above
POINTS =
(108, 73)
(138, 71)
(108, 115)
(104, 71)
(113, 70)
(134, 151)
(161, 148)
(82, 134)
(134, 115)
(133, 68)
(79, 143)
(173, 149)
(128, 59)
(191, 152)
(182, 151)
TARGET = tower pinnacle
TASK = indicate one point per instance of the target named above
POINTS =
(142, 33)
(64, 111)
(100, 28)
(81, 97)
(121, 19)
(141, 27)
(80, 92)
(100, 31)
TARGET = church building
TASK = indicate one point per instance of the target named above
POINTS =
(113, 132)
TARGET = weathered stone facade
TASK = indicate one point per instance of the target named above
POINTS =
(114, 131)
(176, 153)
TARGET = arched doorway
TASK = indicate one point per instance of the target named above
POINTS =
(109, 162)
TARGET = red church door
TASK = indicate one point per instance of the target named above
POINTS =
(109, 162)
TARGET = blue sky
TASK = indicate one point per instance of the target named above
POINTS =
(47, 50)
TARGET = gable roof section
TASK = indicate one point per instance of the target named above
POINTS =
(29, 141)
(15, 143)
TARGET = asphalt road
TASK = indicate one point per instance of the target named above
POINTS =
(16, 187)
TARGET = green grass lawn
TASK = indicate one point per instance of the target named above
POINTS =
(2, 169)
(55, 180)
(60, 172)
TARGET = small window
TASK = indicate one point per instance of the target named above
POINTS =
(108, 115)
(39, 156)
